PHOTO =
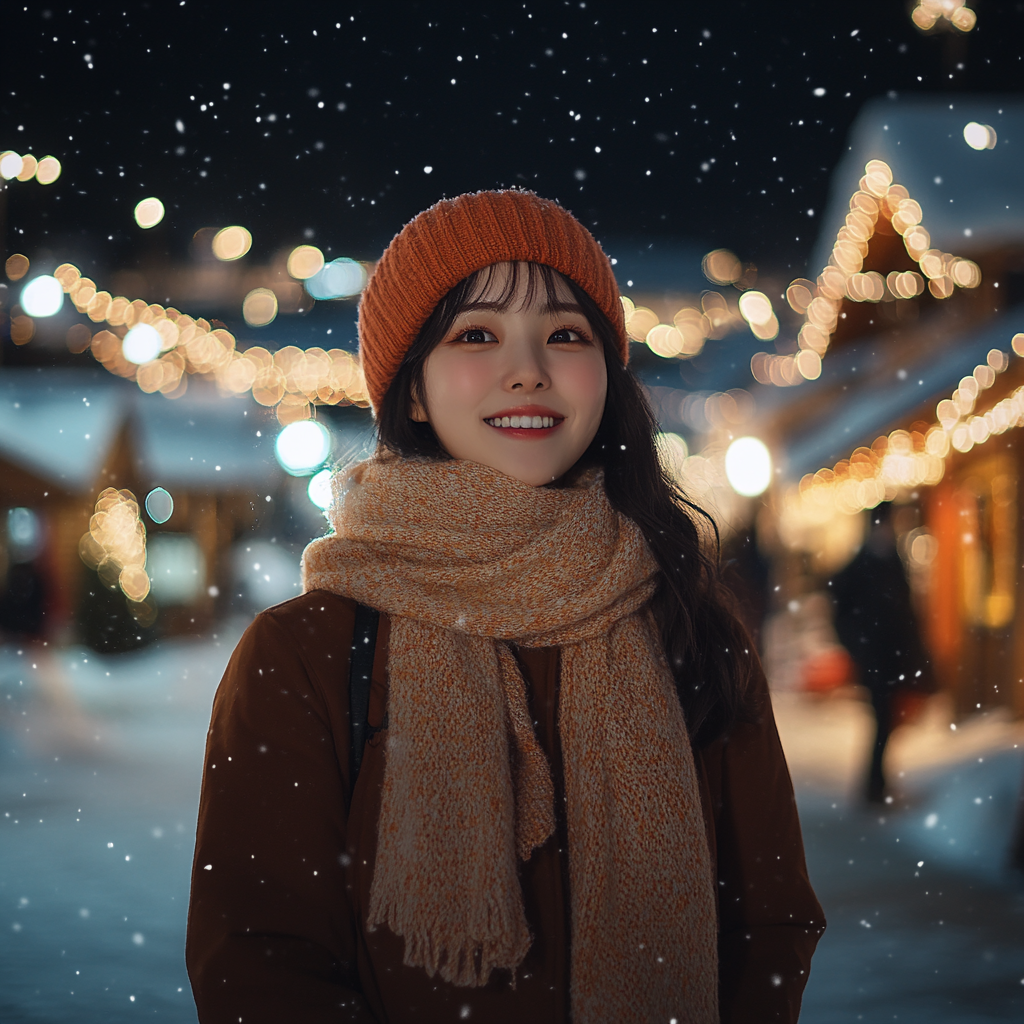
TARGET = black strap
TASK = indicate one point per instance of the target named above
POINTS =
(360, 671)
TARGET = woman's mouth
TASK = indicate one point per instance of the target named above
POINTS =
(523, 422)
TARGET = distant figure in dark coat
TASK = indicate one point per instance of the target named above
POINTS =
(876, 624)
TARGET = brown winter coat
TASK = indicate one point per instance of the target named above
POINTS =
(284, 853)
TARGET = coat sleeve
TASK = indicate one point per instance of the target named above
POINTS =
(271, 934)
(769, 918)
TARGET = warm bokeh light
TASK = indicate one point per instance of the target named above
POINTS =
(231, 243)
(25, 168)
(927, 14)
(48, 170)
(755, 307)
(42, 296)
(980, 136)
(748, 466)
(28, 167)
(293, 381)
(722, 267)
(302, 447)
(23, 329)
(259, 307)
(844, 278)
(16, 266)
(149, 212)
(142, 344)
(115, 545)
(799, 295)
(304, 261)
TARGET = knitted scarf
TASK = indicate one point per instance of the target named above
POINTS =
(465, 561)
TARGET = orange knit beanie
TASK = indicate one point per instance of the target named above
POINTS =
(451, 240)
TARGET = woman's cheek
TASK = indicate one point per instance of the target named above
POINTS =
(586, 381)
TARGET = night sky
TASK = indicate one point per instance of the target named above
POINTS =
(717, 125)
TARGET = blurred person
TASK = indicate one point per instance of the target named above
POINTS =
(875, 621)
(573, 802)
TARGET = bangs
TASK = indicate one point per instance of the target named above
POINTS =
(541, 281)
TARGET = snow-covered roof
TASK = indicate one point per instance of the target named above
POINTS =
(59, 424)
(205, 440)
(972, 199)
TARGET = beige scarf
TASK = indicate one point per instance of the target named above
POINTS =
(466, 560)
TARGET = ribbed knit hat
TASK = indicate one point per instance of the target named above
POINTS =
(451, 240)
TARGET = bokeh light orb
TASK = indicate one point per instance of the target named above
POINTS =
(304, 261)
(980, 136)
(337, 280)
(231, 243)
(748, 466)
(302, 447)
(42, 296)
(142, 344)
(159, 505)
(10, 165)
(319, 489)
(48, 170)
(149, 212)
(259, 307)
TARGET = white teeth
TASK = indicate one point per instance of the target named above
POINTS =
(530, 422)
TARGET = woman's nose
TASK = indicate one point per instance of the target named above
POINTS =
(526, 371)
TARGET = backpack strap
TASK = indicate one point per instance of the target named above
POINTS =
(360, 672)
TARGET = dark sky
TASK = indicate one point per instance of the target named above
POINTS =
(667, 120)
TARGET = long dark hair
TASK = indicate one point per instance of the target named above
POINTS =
(709, 651)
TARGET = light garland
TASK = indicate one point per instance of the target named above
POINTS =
(928, 13)
(690, 327)
(291, 380)
(13, 166)
(907, 459)
(115, 545)
(843, 278)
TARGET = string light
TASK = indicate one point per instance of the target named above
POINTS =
(905, 459)
(927, 14)
(690, 327)
(844, 279)
(115, 545)
(292, 381)
(13, 166)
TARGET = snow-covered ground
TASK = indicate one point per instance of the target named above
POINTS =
(926, 919)
(100, 765)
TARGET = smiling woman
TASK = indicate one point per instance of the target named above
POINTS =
(552, 789)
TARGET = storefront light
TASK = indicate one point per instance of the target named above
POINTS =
(748, 466)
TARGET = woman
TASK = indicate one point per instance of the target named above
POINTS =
(574, 804)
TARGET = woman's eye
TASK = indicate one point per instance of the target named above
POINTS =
(566, 336)
(477, 336)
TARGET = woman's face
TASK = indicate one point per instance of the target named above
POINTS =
(495, 370)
